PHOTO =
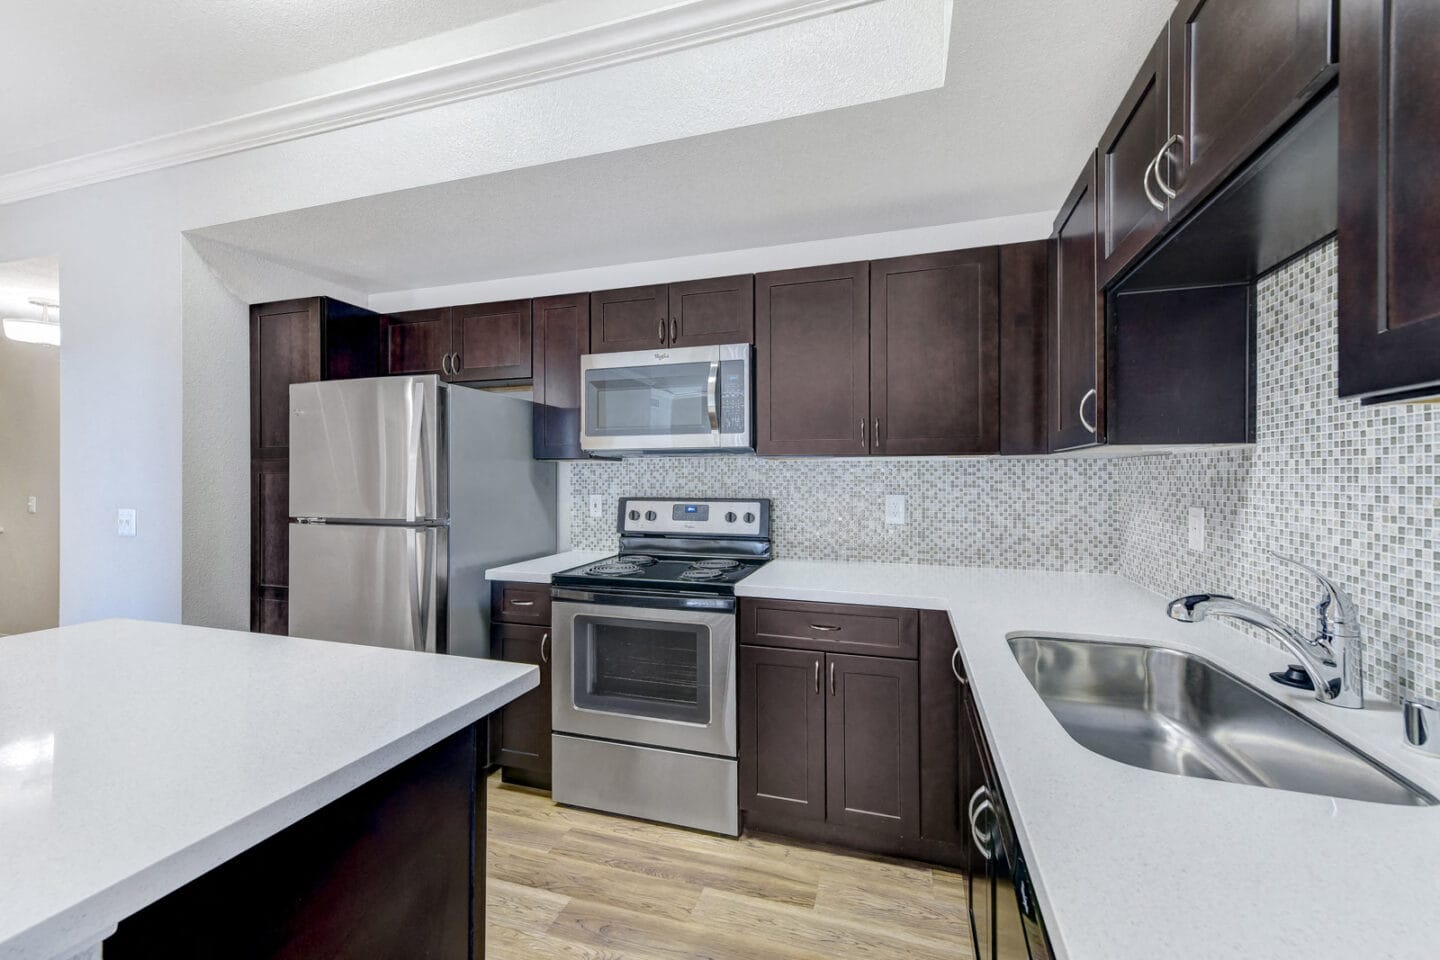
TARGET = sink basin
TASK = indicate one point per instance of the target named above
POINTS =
(1177, 713)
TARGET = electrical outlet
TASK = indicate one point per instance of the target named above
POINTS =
(125, 522)
(30, 505)
(894, 508)
(597, 506)
(1197, 529)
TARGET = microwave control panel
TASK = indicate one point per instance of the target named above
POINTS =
(723, 518)
(734, 397)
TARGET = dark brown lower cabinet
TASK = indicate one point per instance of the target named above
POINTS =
(270, 546)
(395, 868)
(872, 744)
(832, 746)
(782, 732)
(520, 731)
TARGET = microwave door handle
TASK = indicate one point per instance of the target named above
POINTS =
(712, 397)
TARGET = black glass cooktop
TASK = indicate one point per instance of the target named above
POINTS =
(662, 572)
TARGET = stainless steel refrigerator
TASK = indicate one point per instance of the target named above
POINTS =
(403, 490)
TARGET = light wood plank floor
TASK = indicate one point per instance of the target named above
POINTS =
(568, 883)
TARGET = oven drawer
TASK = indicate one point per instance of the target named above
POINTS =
(520, 603)
(833, 627)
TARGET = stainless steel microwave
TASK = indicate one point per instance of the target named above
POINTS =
(680, 400)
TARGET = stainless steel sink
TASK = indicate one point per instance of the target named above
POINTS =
(1177, 713)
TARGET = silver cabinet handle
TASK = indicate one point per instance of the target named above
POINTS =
(1162, 155)
(955, 669)
(662, 329)
(817, 678)
(445, 364)
(823, 626)
(522, 603)
(832, 678)
(1155, 201)
(862, 431)
(979, 802)
(674, 329)
(1090, 427)
(875, 434)
(544, 657)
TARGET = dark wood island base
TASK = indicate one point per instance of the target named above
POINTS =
(393, 869)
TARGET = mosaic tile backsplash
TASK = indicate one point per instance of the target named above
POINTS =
(1353, 491)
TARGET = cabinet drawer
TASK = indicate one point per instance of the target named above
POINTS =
(520, 603)
(832, 627)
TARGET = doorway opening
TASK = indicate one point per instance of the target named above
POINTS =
(30, 337)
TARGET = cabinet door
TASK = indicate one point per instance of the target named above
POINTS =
(417, 341)
(1024, 299)
(1132, 208)
(1389, 199)
(706, 312)
(782, 733)
(979, 834)
(935, 354)
(1238, 71)
(812, 345)
(285, 348)
(562, 334)
(872, 763)
(270, 546)
(1077, 334)
(637, 318)
(521, 729)
(491, 341)
(942, 817)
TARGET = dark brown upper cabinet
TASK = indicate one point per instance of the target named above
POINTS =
(491, 341)
(935, 354)
(562, 335)
(417, 342)
(1076, 345)
(709, 312)
(812, 344)
(286, 346)
(636, 318)
(1239, 71)
(1024, 318)
(1132, 207)
(782, 733)
(1389, 274)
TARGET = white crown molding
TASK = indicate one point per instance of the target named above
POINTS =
(673, 28)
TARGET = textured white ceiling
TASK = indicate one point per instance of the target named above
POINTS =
(1030, 84)
(81, 75)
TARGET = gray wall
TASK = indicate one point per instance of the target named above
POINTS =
(29, 466)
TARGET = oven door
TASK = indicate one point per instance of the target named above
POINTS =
(688, 398)
(655, 677)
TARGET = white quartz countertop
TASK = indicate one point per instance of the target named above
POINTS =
(135, 757)
(1132, 864)
(540, 569)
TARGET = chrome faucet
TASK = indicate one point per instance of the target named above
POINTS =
(1333, 657)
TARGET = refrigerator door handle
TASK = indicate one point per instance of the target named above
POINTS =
(415, 403)
(419, 599)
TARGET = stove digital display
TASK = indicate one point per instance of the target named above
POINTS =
(690, 511)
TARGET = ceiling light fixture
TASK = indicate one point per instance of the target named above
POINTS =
(45, 330)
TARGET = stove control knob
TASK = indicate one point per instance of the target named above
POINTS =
(749, 518)
(634, 514)
(730, 517)
(649, 514)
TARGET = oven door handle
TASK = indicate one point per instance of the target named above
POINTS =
(715, 604)
(712, 397)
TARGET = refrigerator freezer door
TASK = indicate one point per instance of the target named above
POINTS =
(383, 586)
(368, 449)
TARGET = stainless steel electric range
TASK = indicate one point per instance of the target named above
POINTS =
(643, 704)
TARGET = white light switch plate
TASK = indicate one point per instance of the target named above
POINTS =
(30, 504)
(1197, 529)
(597, 506)
(894, 508)
(125, 522)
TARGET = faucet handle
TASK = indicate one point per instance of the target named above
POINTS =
(1336, 610)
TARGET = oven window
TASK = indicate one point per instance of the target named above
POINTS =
(653, 670)
(646, 401)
